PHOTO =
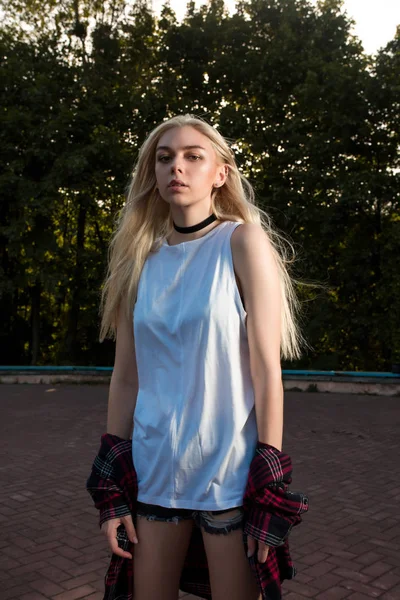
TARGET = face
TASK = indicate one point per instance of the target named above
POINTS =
(186, 167)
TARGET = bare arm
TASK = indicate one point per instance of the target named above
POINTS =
(258, 274)
(124, 383)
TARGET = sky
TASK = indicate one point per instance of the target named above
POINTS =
(376, 20)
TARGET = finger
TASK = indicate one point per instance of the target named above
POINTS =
(251, 546)
(262, 552)
(130, 528)
(113, 541)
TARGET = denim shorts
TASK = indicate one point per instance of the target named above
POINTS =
(211, 521)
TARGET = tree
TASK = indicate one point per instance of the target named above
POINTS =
(314, 123)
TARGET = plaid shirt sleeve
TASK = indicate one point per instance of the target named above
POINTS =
(112, 485)
(111, 477)
(271, 509)
(270, 513)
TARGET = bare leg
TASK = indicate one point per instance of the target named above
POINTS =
(230, 573)
(159, 558)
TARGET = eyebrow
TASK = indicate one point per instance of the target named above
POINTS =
(183, 148)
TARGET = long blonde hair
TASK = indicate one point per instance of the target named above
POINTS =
(145, 221)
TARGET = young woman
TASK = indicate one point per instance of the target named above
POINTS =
(203, 308)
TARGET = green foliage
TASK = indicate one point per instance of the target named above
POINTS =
(313, 120)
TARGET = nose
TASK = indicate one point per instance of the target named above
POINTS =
(176, 165)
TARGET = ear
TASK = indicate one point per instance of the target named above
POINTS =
(222, 174)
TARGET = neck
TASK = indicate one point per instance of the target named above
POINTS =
(188, 229)
(193, 230)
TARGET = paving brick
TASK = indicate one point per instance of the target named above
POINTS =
(71, 553)
(7, 563)
(55, 539)
(7, 511)
(15, 591)
(318, 570)
(377, 569)
(356, 596)
(367, 590)
(384, 543)
(13, 552)
(314, 558)
(305, 590)
(92, 549)
(368, 558)
(345, 555)
(24, 542)
(330, 547)
(393, 560)
(90, 566)
(353, 575)
(76, 543)
(47, 546)
(54, 574)
(341, 562)
(63, 563)
(335, 593)
(46, 587)
(69, 584)
(34, 557)
(75, 594)
(99, 583)
(303, 578)
(327, 581)
(393, 594)
(387, 581)
(34, 566)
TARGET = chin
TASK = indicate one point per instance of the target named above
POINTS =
(179, 200)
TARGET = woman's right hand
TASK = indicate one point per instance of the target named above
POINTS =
(110, 529)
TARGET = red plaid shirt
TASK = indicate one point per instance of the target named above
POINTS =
(270, 511)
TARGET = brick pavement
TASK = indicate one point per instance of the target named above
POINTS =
(345, 452)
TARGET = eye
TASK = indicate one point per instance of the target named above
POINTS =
(163, 158)
(194, 157)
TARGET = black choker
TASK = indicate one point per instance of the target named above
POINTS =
(197, 227)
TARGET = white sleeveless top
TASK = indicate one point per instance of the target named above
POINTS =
(195, 428)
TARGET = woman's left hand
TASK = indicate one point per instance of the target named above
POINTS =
(262, 553)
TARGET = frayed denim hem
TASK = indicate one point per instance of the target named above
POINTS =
(213, 522)
(224, 529)
(218, 525)
(175, 520)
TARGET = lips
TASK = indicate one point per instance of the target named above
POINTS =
(176, 183)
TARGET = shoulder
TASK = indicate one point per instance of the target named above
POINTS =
(249, 243)
(248, 233)
(254, 261)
